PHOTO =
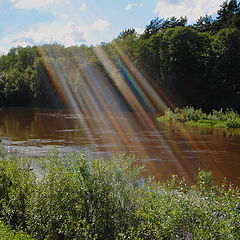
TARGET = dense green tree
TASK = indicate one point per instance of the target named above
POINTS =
(174, 22)
(158, 24)
(25, 57)
(126, 33)
(225, 75)
(197, 65)
(24, 80)
(204, 24)
(183, 54)
(228, 15)
(153, 27)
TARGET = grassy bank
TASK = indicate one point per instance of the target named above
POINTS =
(71, 197)
(191, 116)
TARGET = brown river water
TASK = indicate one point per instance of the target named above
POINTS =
(165, 149)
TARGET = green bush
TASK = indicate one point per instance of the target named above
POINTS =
(227, 119)
(233, 123)
(6, 233)
(70, 197)
(185, 114)
(76, 197)
(16, 185)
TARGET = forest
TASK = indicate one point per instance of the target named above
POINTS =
(195, 64)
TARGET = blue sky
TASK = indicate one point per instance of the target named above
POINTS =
(76, 22)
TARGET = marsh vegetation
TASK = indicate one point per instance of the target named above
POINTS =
(219, 119)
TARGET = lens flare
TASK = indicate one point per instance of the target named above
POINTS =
(101, 92)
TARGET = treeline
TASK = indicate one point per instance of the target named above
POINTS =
(194, 65)
(36, 76)
(45, 76)
(24, 80)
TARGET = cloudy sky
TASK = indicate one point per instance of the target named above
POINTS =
(76, 22)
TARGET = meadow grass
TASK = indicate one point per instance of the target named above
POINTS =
(220, 119)
(71, 197)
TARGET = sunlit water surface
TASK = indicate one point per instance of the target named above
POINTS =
(165, 149)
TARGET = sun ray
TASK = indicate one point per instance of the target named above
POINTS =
(97, 91)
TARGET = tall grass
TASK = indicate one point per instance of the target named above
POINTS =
(70, 197)
(223, 119)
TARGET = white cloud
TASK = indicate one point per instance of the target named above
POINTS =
(83, 7)
(67, 33)
(130, 6)
(191, 9)
(29, 4)
(139, 30)
(65, 16)
(100, 25)
(141, 5)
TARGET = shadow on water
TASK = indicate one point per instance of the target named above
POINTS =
(165, 149)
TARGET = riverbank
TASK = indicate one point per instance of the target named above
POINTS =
(72, 197)
(228, 119)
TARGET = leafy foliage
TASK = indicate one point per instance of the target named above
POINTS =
(70, 197)
(194, 65)
(6, 233)
(126, 33)
(24, 80)
(227, 119)
(204, 24)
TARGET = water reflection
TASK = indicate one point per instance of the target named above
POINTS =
(165, 148)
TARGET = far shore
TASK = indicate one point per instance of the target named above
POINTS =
(228, 119)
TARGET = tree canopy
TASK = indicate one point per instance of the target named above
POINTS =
(194, 64)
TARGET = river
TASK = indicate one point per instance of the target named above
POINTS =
(164, 149)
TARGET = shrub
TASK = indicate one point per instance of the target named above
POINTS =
(231, 123)
(6, 233)
(227, 119)
(70, 197)
(16, 183)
